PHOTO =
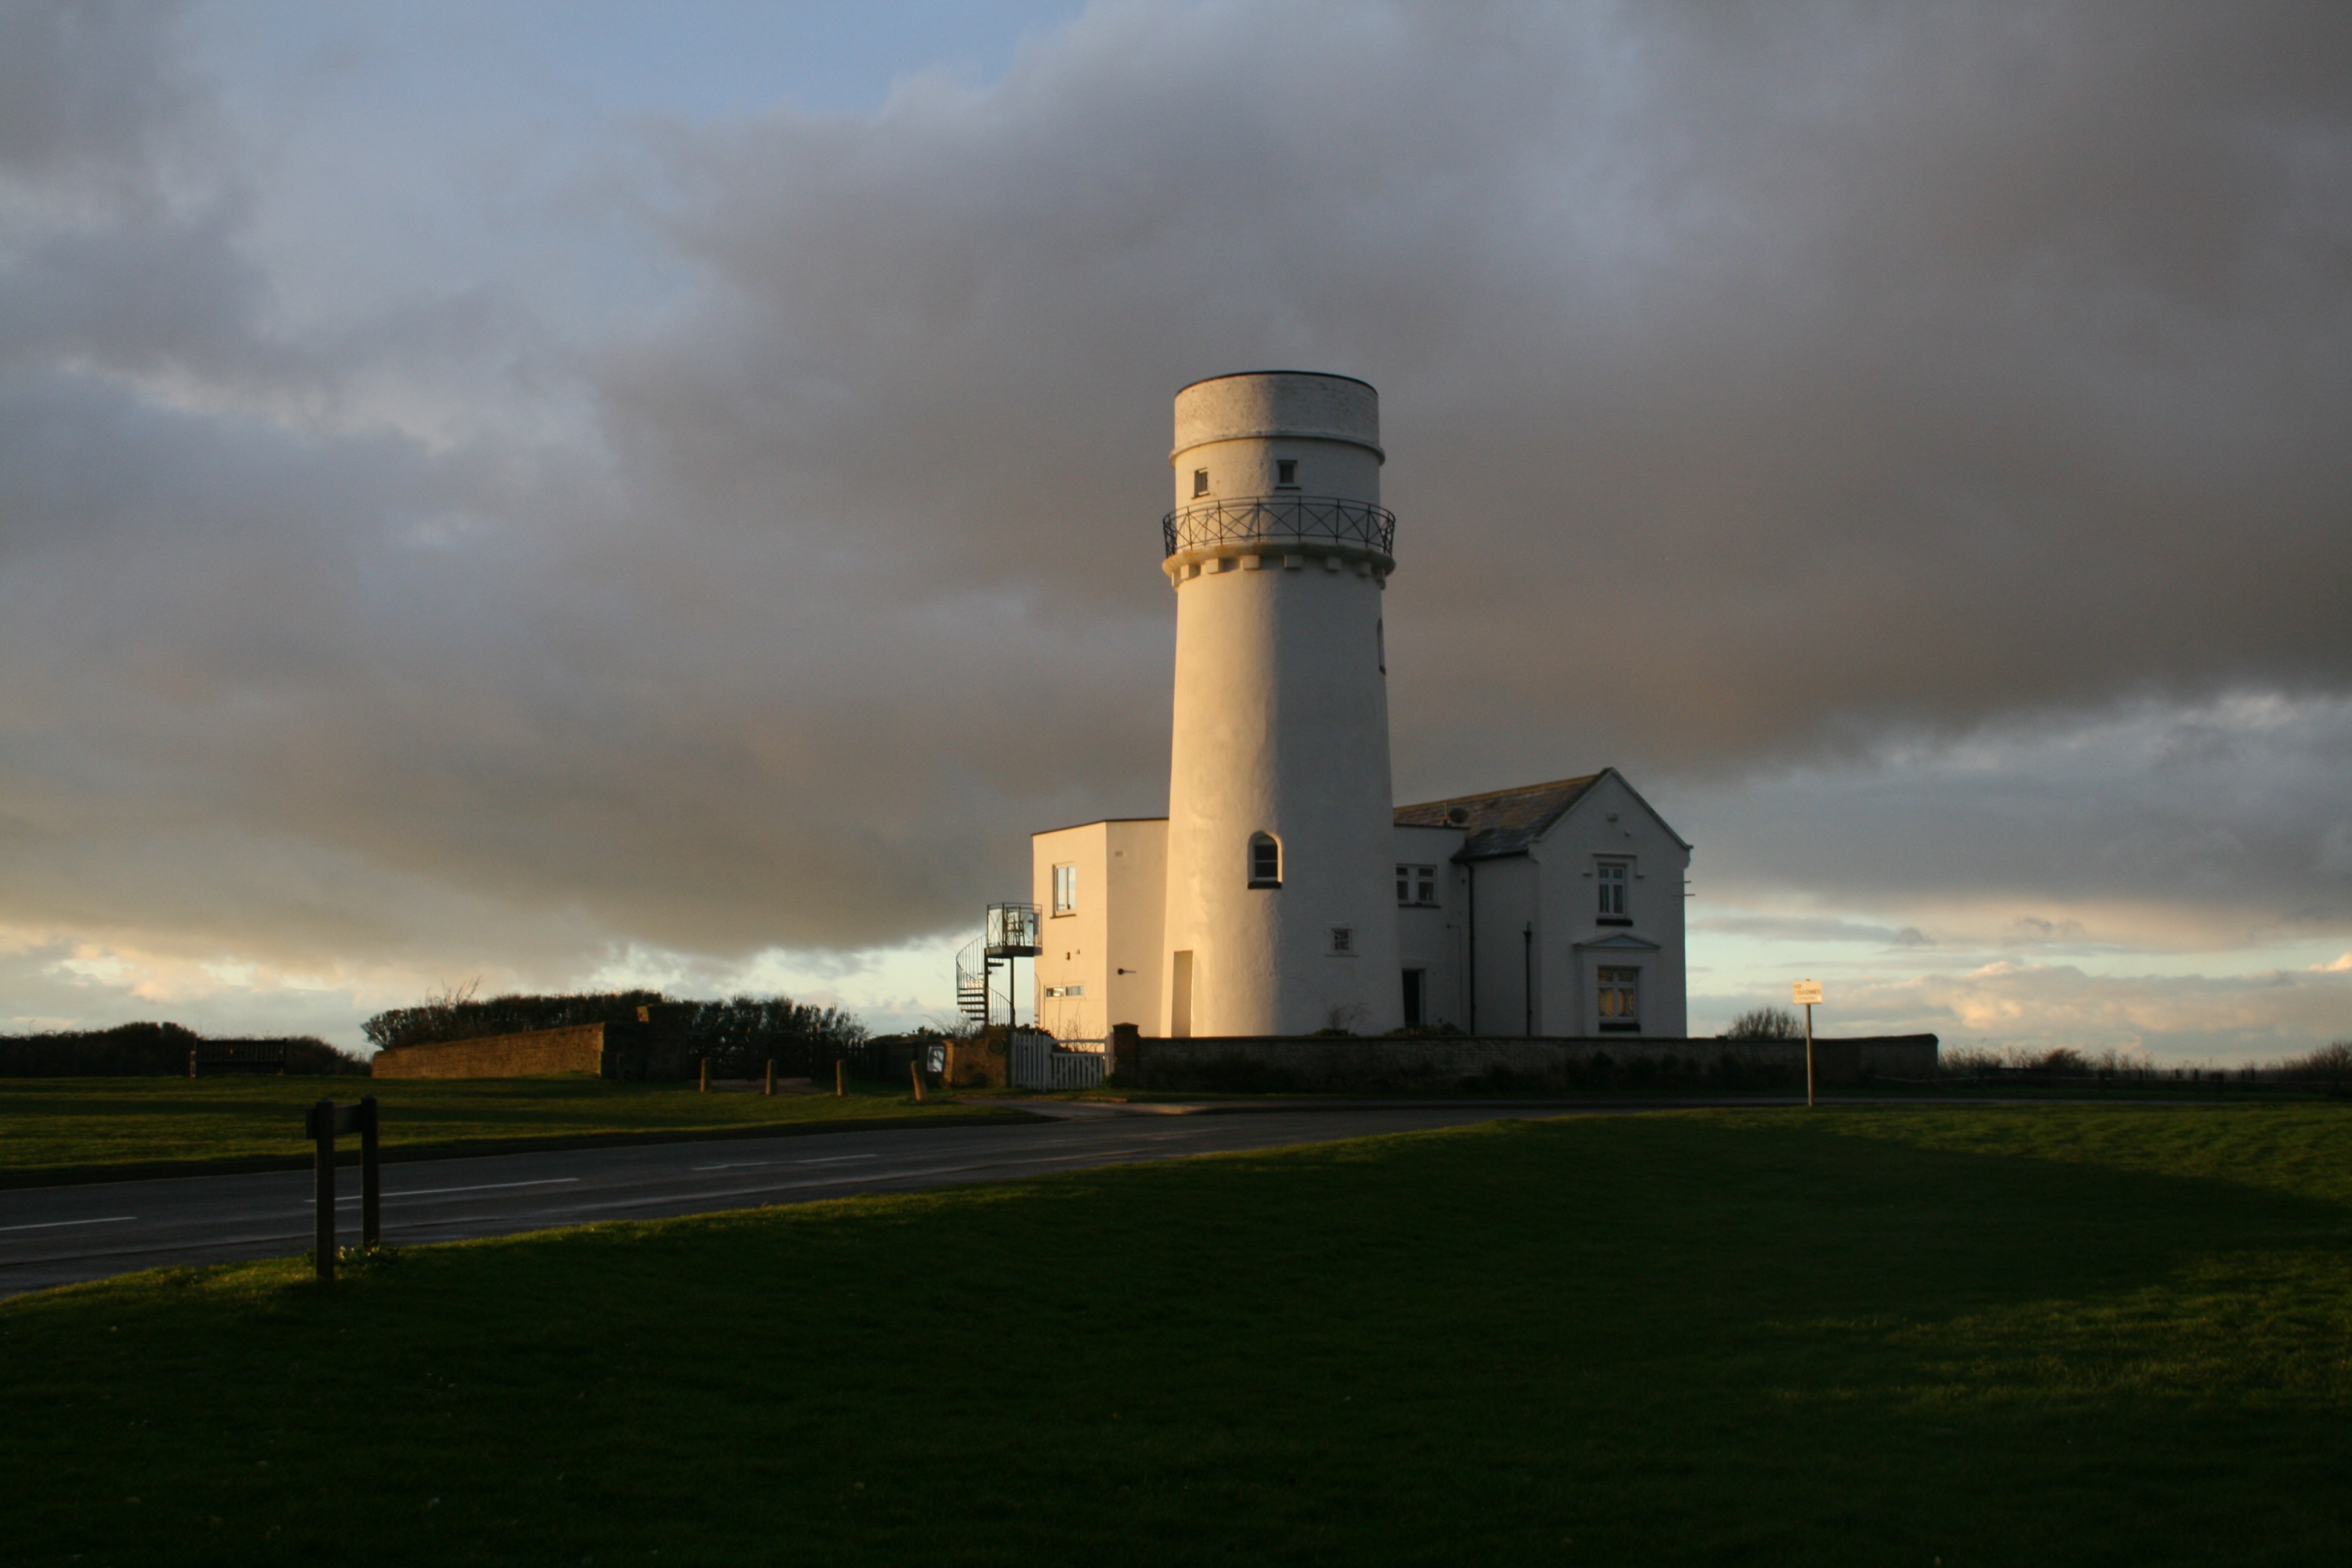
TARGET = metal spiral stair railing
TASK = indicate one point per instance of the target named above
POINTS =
(1011, 932)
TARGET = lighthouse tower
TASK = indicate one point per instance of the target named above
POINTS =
(1281, 910)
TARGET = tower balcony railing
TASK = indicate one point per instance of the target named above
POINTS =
(1286, 519)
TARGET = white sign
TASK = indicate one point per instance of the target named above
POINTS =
(1806, 993)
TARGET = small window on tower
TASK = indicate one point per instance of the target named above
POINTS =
(1343, 939)
(1200, 481)
(1285, 473)
(1066, 889)
(1265, 861)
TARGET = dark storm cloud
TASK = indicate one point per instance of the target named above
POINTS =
(1752, 374)
(1758, 382)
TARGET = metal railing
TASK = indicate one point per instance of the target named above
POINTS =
(1300, 519)
(1013, 931)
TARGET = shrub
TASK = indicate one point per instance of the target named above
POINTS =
(2330, 1067)
(1765, 1024)
(146, 1049)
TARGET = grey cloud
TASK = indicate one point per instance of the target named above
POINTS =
(2173, 1017)
(87, 85)
(1812, 927)
(1760, 382)
(2081, 830)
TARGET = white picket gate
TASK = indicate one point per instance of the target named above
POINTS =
(1040, 1061)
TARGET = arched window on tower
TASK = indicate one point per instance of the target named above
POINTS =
(1265, 860)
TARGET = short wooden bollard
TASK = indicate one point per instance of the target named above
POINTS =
(915, 1071)
(770, 1088)
(840, 1077)
(706, 1076)
(192, 1061)
(324, 1121)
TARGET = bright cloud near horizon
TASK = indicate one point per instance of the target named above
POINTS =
(592, 494)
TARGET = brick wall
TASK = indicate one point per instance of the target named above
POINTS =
(1332, 1063)
(532, 1054)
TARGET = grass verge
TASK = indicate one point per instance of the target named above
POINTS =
(2041, 1334)
(50, 1128)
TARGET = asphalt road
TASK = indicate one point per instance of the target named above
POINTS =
(56, 1235)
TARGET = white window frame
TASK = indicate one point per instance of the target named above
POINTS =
(1066, 888)
(1416, 887)
(1613, 880)
(1617, 985)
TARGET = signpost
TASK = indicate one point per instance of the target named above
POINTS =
(1805, 993)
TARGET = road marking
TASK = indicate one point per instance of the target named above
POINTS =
(484, 1187)
(748, 1164)
(53, 1224)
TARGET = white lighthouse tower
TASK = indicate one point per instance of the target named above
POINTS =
(1281, 914)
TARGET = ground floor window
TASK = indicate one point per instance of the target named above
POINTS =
(1620, 998)
(1413, 998)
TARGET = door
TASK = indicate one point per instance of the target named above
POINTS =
(1413, 987)
(1179, 998)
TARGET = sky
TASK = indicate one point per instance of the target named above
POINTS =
(543, 496)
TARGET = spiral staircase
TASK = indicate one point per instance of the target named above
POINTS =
(1010, 933)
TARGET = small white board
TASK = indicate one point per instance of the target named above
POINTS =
(1806, 993)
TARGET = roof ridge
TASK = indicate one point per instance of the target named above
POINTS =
(1499, 793)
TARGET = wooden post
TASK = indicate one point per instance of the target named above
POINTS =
(1809, 1054)
(192, 1061)
(371, 1180)
(915, 1071)
(706, 1077)
(323, 1128)
(772, 1076)
(840, 1079)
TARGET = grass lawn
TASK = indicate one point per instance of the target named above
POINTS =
(2037, 1333)
(54, 1124)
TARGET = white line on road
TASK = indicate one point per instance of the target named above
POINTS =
(53, 1224)
(829, 1160)
(484, 1187)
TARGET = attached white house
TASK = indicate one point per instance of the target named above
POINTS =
(1552, 910)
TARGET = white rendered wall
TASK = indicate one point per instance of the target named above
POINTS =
(1495, 946)
(1107, 945)
(1429, 938)
(1281, 726)
(1569, 911)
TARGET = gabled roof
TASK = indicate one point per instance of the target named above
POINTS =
(1502, 822)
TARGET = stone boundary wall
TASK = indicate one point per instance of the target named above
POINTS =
(1341, 1063)
(531, 1054)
